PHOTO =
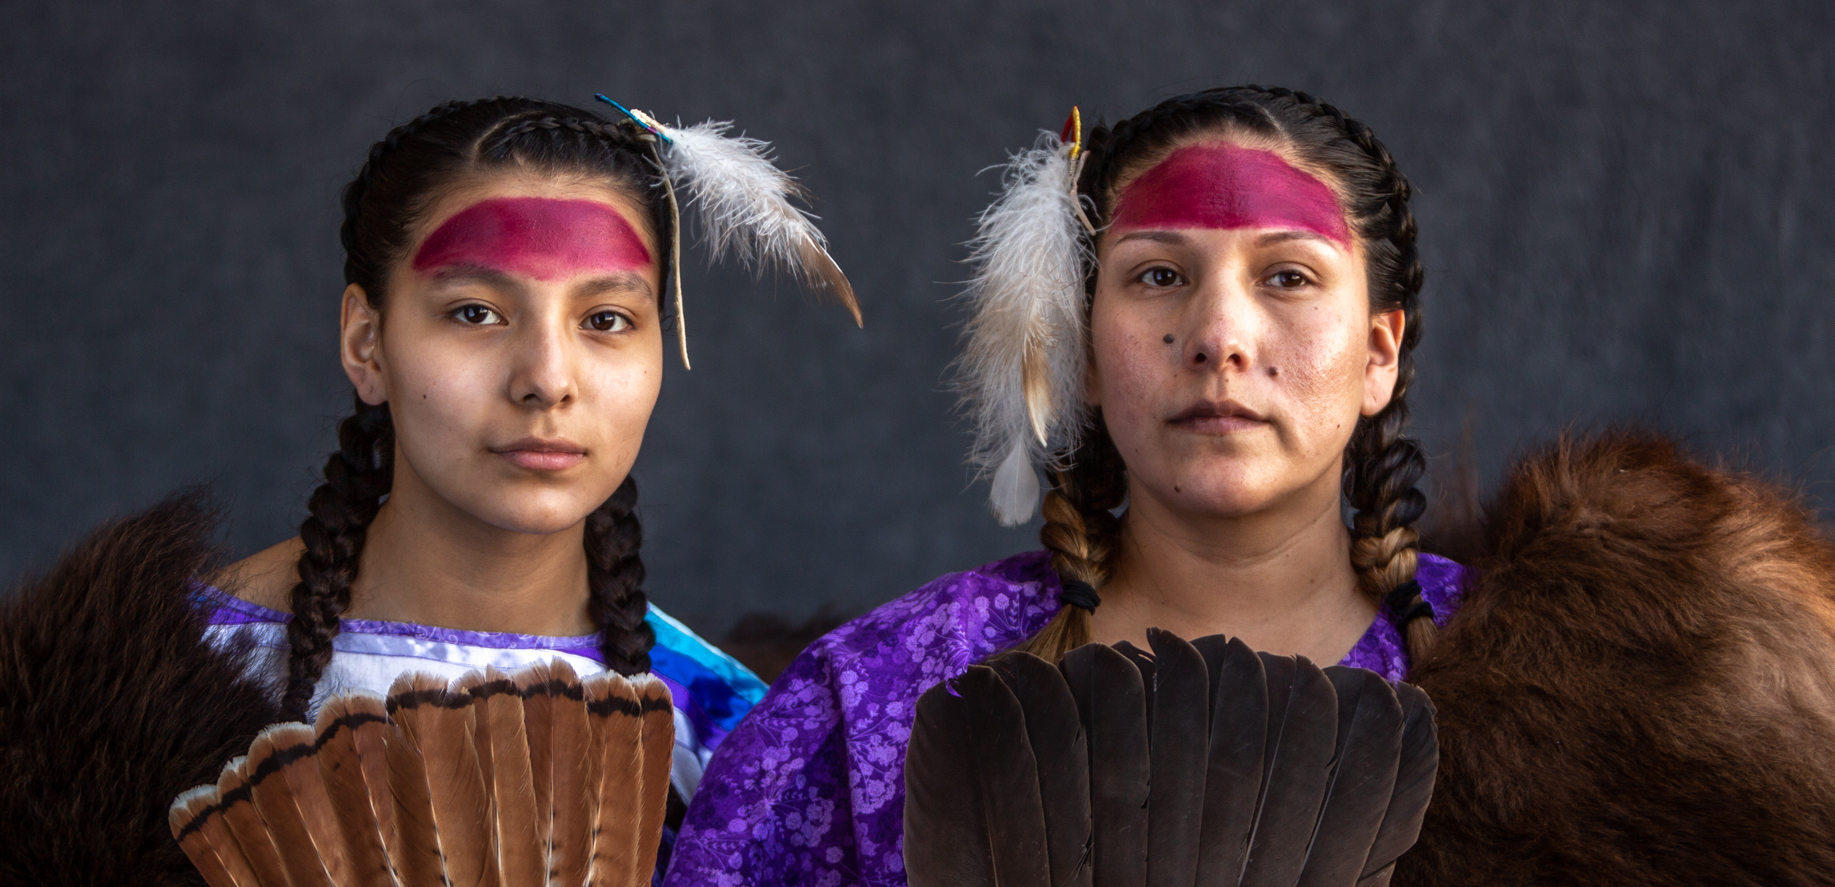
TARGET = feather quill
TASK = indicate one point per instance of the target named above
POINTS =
(352, 763)
(1414, 782)
(658, 760)
(946, 826)
(1113, 705)
(502, 744)
(1060, 755)
(744, 204)
(1238, 712)
(1302, 735)
(293, 803)
(422, 858)
(574, 765)
(1362, 779)
(245, 823)
(615, 714)
(205, 837)
(1179, 734)
(1021, 373)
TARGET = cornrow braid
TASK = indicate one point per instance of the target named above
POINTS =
(1382, 465)
(401, 178)
(615, 576)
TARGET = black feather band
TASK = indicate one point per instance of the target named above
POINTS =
(1078, 593)
(1405, 604)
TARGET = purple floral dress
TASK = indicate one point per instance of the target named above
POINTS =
(810, 789)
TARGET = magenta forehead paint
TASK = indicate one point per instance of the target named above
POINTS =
(536, 237)
(1222, 185)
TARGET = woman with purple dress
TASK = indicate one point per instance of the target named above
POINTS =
(1231, 366)
(1202, 327)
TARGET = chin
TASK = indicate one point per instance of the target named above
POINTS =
(537, 515)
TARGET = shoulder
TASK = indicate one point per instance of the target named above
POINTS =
(955, 619)
(711, 686)
(873, 667)
(1442, 584)
(265, 578)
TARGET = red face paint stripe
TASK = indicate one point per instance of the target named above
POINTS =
(1229, 186)
(537, 237)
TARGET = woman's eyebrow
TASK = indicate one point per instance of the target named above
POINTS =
(624, 281)
(1175, 238)
(1274, 237)
(467, 272)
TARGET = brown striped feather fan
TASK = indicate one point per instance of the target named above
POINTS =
(529, 779)
(1201, 763)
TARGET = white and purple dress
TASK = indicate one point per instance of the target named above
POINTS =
(809, 791)
(711, 690)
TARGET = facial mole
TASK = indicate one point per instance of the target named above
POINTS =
(1274, 371)
(1168, 339)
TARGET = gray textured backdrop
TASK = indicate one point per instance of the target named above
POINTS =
(1626, 210)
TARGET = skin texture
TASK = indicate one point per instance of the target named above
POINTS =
(520, 352)
(1232, 354)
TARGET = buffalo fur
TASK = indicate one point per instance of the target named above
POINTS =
(1640, 685)
(111, 703)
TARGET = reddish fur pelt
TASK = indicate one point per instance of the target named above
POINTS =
(1640, 686)
(111, 704)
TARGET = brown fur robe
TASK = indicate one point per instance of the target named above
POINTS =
(111, 704)
(1639, 688)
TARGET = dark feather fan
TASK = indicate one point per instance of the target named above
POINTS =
(531, 778)
(1200, 763)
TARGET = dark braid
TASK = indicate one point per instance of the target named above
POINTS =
(403, 176)
(1382, 466)
(357, 476)
(615, 575)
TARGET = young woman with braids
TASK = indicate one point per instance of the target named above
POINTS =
(1238, 320)
(502, 324)
(1252, 308)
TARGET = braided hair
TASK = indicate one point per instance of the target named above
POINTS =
(405, 174)
(1381, 465)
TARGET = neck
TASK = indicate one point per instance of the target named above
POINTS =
(428, 562)
(1280, 579)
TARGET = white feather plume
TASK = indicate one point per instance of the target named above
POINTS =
(744, 204)
(1021, 376)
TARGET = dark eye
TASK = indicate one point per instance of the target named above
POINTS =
(1287, 279)
(1158, 277)
(608, 322)
(477, 315)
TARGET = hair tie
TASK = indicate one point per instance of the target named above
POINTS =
(1078, 593)
(1403, 606)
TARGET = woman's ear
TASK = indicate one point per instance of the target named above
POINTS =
(1385, 361)
(360, 345)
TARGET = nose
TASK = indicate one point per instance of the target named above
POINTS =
(543, 372)
(1218, 322)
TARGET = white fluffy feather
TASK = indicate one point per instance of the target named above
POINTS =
(1027, 298)
(744, 204)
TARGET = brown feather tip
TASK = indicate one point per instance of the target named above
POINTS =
(822, 272)
(1035, 381)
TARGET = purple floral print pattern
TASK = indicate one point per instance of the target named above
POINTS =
(809, 791)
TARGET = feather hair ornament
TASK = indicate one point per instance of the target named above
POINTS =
(744, 205)
(1200, 764)
(527, 779)
(1021, 375)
